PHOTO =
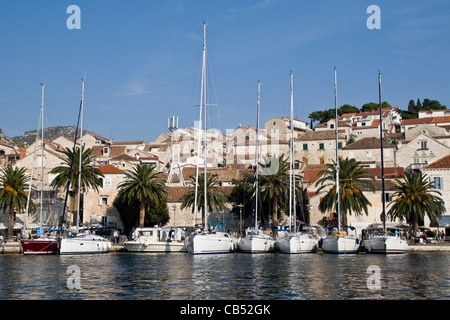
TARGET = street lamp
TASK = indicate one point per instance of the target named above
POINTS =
(240, 206)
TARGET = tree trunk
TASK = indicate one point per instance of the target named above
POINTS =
(275, 216)
(10, 223)
(142, 214)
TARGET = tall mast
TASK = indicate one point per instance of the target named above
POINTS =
(257, 158)
(291, 151)
(42, 158)
(204, 126)
(382, 155)
(337, 154)
(81, 153)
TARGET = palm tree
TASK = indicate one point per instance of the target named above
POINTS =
(91, 177)
(274, 182)
(416, 197)
(13, 196)
(352, 179)
(144, 185)
(215, 199)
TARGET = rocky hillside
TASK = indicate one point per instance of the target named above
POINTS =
(50, 133)
(6, 139)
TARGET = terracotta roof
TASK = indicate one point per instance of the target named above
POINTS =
(311, 173)
(109, 169)
(319, 135)
(442, 163)
(367, 143)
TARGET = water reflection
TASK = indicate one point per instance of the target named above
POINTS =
(229, 276)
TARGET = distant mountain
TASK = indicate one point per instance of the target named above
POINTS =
(50, 133)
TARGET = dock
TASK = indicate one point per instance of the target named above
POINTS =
(16, 248)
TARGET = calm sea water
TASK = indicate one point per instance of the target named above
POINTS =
(180, 276)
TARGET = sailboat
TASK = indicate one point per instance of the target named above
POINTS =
(45, 244)
(79, 242)
(339, 241)
(255, 241)
(206, 241)
(383, 241)
(295, 241)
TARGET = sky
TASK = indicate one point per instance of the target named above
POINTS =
(142, 60)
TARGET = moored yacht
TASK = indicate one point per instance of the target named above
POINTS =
(157, 239)
(206, 241)
(383, 241)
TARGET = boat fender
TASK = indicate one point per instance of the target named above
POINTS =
(357, 241)
(320, 243)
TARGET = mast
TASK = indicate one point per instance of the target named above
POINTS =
(204, 125)
(382, 154)
(42, 159)
(337, 154)
(257, 158)
(69, 178)
(81, 153)
(41, 118)
(291, 151)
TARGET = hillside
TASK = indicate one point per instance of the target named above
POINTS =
(50, 133)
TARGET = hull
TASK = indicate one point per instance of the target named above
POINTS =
(39, 246)
(154, 247)
(256, 244)
(209, 243)
(85, 244)
(298, 244)
(340, 245)
(387, 244)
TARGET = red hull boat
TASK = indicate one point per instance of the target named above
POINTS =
(40, 246)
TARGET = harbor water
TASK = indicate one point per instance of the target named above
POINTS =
(237, 276)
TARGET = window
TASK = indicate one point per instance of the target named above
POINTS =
(103, 201)
(321, 146)
(438, 183)
(274, 123)
(107, 181)
(322, 160)
(305, 146)
(331, 125)
(339, 145)
(388, 196)
(424, 145)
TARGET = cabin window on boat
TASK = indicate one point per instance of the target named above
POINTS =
(146, 233)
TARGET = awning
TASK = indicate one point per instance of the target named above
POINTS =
(444, 222)
(17, 225)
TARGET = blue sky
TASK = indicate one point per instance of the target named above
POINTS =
(142, 60)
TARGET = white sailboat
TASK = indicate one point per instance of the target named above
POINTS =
(295, 241)
(339, 241)
(255, 241)
(79, 242)
(383, 241)
(206, 241)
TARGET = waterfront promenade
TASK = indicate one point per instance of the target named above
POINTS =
(16, 248)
